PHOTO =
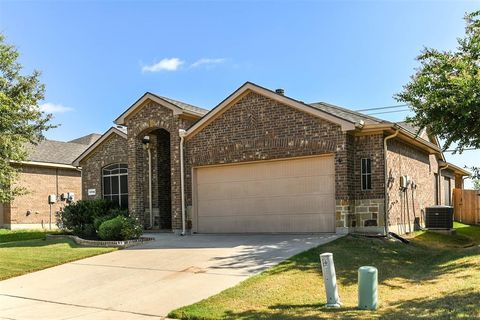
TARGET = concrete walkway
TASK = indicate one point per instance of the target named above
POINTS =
(148, 281)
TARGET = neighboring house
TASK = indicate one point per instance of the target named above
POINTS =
(48, 170)
(263, 162)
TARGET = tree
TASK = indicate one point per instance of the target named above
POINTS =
(444, 92)
(21, 120)
(476, 184)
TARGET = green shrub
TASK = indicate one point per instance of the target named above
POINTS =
(86, 231)
(112, 214)
(132, 228)
(111, 229)
(120, 228)
(80, 217)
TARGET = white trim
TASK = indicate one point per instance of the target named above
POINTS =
(150, 96)
(76, 162)
(45, 164)
(346, 125)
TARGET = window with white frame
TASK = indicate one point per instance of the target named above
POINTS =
(366, 174)
(115, 184)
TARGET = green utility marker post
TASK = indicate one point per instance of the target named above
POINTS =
(367, 288)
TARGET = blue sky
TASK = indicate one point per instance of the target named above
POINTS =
(99, 57)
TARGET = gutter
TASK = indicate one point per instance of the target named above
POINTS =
(182, 133)
(45, 164)
(386, 209)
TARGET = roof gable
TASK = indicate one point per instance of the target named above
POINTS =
(113, 130)
(251, 87)
(177, 107)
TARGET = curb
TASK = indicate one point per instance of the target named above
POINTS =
(100, 243)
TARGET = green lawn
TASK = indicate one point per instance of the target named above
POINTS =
(434, 277)
(26, 251)
(20, 235)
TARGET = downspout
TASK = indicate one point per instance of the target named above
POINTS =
(150, 202)
(182, 133)
(439, 177)
(386, 209)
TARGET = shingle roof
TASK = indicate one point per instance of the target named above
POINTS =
(409, 127)
(346, 114)
(184, 106)
(356, 116)
(60, 152)
(52, 151)
(88, 139)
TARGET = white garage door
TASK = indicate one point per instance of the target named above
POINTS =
(274, 196)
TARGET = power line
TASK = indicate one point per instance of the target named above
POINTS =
(467, 149)
(381, 108)
(403, 110)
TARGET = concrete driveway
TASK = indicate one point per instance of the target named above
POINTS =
(147, 281)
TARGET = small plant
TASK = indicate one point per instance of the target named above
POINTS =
(120, 228)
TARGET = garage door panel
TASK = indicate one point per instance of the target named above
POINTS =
(295, 195)
(273, 224)
(294, 204)
(252, 188)
(265, 170)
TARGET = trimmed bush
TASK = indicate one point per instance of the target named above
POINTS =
(84, 217)
(111, 229)
(112, 214)
(120, 228)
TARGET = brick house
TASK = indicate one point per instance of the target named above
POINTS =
(263, 162)
(48, 170)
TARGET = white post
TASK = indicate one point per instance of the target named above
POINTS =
(182, 134)
(330, 280)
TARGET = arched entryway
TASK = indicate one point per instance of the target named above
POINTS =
(154, 167)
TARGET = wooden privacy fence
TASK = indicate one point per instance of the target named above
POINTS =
(467, 206)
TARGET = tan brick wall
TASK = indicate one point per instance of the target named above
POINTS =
(403, 159)
(40, 182)
(112, 150)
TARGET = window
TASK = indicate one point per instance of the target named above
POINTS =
(115, 184)
(366, 174)
(435, 177)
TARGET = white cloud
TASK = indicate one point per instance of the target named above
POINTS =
(167, 64)
(207, 61)
(54, 108)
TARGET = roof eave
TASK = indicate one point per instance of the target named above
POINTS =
(45, 164)
(392, 127)
(456, 169)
